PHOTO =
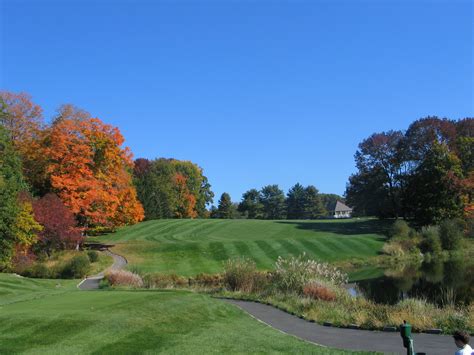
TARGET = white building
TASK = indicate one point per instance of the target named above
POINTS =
(342, 211)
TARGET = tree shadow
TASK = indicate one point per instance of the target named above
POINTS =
(346, 227)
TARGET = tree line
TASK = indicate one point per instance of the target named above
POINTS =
(270, 202)
(59, 180)
(425, 173)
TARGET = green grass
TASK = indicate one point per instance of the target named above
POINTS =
(14, 288)
(189, 247)
(65, 320)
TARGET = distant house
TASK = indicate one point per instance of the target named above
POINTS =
(342, 211)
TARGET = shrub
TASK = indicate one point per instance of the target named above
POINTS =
(207, 280)
(164, 281)
(431, 242)
(77, 267)
(319, 292)
(292, 274)
(399, 228)
(239, 274)
(37, 270)
(393, 248)
(93, 256)
(451, 233)
(123, 278)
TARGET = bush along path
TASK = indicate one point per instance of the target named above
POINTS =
(92, 282)
(341, 338)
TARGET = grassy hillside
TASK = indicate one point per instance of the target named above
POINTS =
(188, 247)
(43, 318)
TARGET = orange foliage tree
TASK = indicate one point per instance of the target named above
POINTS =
(185, 200)
(90, 171)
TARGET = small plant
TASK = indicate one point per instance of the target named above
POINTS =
(123, 278)
(37, 270)
(77, 267)
(319, 292)
(239, 274)
(451, 233)
(293, 273)
(431, 242)
(393, 248)
(400, 229)
(164, 281)
(93, 256)
(207, 280)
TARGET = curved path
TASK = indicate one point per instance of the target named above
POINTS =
(341, 338)
(92, 282)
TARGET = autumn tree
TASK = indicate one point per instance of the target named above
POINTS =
(423, 173)
(90, 172)
(185, 200)
(26, 226)
(59, 229)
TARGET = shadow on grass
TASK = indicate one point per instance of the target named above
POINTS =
(346, 227)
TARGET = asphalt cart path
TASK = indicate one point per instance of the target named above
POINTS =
(342, 338)
(92, 282)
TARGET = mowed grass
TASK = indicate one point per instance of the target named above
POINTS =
(64, 320)
(188, 247)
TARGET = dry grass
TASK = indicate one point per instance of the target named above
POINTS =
(319, 292)
(123, 278)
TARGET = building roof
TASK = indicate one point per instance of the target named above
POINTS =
(340, 207)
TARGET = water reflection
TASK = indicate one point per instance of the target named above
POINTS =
(440, 282)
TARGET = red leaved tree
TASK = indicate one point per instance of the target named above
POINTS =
(59, 225)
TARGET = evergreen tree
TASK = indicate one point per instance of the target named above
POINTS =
(273, 201)
(251, 205)
(225, 209)
(296, 202)
(313, 206)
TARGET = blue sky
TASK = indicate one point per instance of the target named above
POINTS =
(255, 92)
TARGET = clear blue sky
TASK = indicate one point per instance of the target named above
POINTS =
(255, 92)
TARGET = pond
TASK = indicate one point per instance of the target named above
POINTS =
(440, 282)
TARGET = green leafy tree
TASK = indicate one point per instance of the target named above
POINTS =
(379, 178)
(273, 202)
(251, 205)
(434, 189)
(155, 182)
(11, 183)
(225, 208)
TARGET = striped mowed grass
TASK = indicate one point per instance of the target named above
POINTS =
(54, 317)
(188, 247)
